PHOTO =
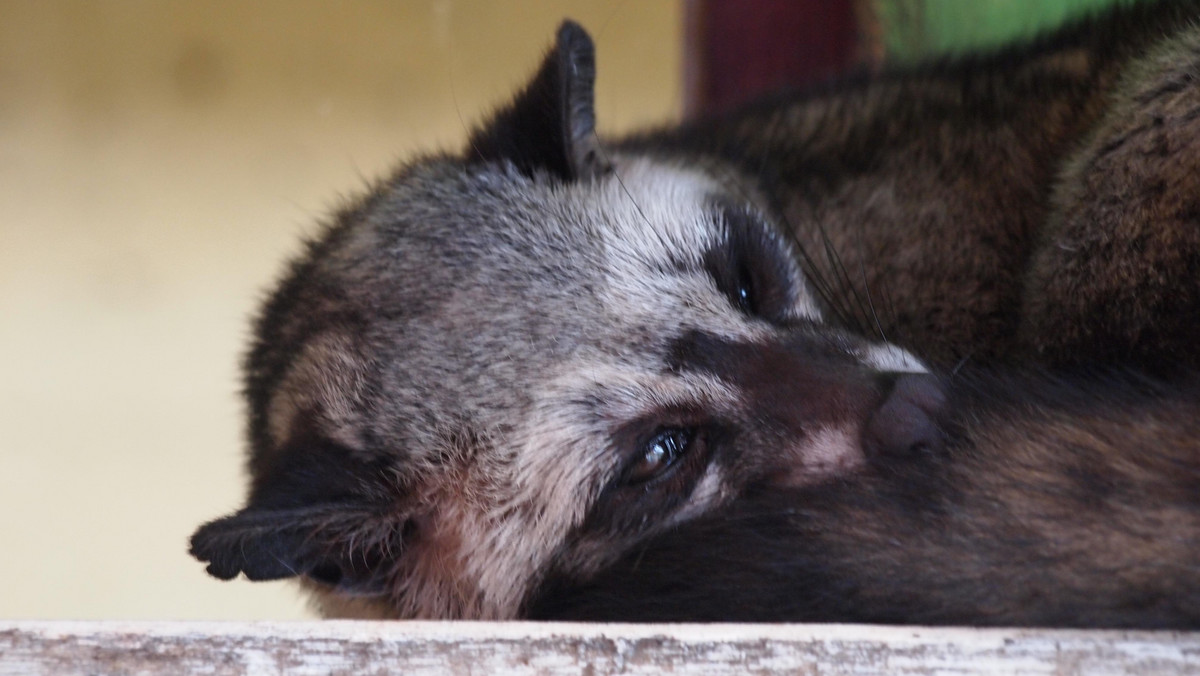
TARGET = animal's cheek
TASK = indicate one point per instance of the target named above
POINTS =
(825, 453)
(762, 455)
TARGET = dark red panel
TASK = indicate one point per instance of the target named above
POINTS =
(739, 48)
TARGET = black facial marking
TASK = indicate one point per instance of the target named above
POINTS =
(667, 453)
(794, 385)
(750, 265)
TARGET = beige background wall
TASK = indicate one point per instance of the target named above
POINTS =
(158, 162)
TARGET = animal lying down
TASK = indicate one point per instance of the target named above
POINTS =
(648, 379)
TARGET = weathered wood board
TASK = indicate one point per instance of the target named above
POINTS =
(363, 648)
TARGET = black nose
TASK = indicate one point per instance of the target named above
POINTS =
(906, 423)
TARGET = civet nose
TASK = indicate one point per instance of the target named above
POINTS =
(906, 423)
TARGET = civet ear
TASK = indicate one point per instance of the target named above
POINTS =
(551, 125)
(318, 517)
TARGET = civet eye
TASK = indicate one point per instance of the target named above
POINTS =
(659, 454)
(750, 264)
(743, 292)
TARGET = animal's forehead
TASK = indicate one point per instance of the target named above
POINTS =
(649, 209)
(479, 281)
(455, 236)
(642, 208)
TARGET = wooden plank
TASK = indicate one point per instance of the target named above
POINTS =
(345, 647)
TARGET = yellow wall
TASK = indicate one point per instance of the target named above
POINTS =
(158, 162)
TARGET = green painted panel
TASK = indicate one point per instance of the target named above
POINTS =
(915, 29)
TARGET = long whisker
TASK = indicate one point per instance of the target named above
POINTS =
(819, 284)
(862, 273)
(824, 287)
(866, 283)
(843, 277)
(961, 363)
(617, 175)
(889, 303)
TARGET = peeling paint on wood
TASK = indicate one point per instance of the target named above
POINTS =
(364, 648)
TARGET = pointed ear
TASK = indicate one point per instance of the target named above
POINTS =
(320, 514)
(551, 125)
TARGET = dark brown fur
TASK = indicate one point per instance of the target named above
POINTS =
(1037, 210)
(1057, 504)
(985, 208)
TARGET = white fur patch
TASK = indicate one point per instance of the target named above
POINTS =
(657, 215)
(704, 497)
(892, 359)
(827, 452)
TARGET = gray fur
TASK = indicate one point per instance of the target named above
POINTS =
(466, 344)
